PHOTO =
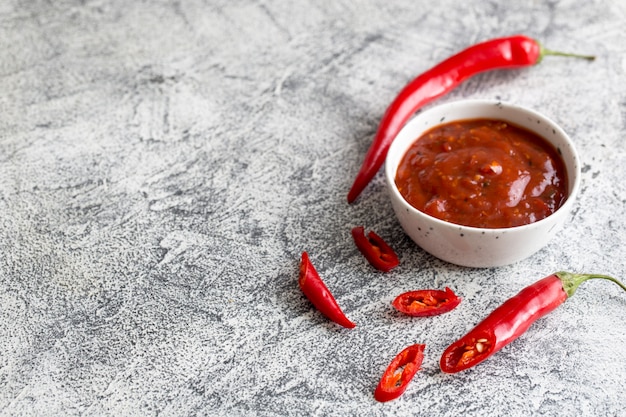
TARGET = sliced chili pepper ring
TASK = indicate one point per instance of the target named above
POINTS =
(399, 373)
(423, 303)
(318, 293)
(377, 252)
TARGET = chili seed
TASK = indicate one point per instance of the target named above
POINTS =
(466, 357)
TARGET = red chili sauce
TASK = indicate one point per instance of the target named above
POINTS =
(483, 173)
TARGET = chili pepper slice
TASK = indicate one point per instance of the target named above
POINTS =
(509, 321)
(502, 53)
(423, 303)
(377, 252)
(318, 293)
(399, 373)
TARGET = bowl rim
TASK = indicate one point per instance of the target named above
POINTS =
(574, 186)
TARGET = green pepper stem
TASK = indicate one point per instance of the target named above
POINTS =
(544, 52)
(571, 281)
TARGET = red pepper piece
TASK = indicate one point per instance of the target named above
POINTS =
(507, 322)
(377, 252)
(502, 53)
(399, 373)
(422, 303)
(318, 293)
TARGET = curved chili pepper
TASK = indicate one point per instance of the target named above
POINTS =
(502, 53)
(422, 303)
(318, 293)
(507, 322)
(399, 373)
(377, 252)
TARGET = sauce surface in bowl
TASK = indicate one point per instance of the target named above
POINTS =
(483, 173)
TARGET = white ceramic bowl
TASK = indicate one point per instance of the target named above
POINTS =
(472, 246)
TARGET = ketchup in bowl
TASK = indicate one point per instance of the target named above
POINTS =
(483, 173)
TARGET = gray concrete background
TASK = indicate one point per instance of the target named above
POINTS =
(164, 164)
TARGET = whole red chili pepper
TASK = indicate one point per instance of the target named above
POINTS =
(377, 252)
(399, 373)
(318, 293)
(502, 53)
(507, 322)
(422, 303)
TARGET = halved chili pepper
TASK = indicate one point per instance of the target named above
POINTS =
(377, 252)
(502, 53)
(507, 322)
(399, 373)
(422, 303)
(318, 293)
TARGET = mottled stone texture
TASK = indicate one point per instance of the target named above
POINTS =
(164, 164)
